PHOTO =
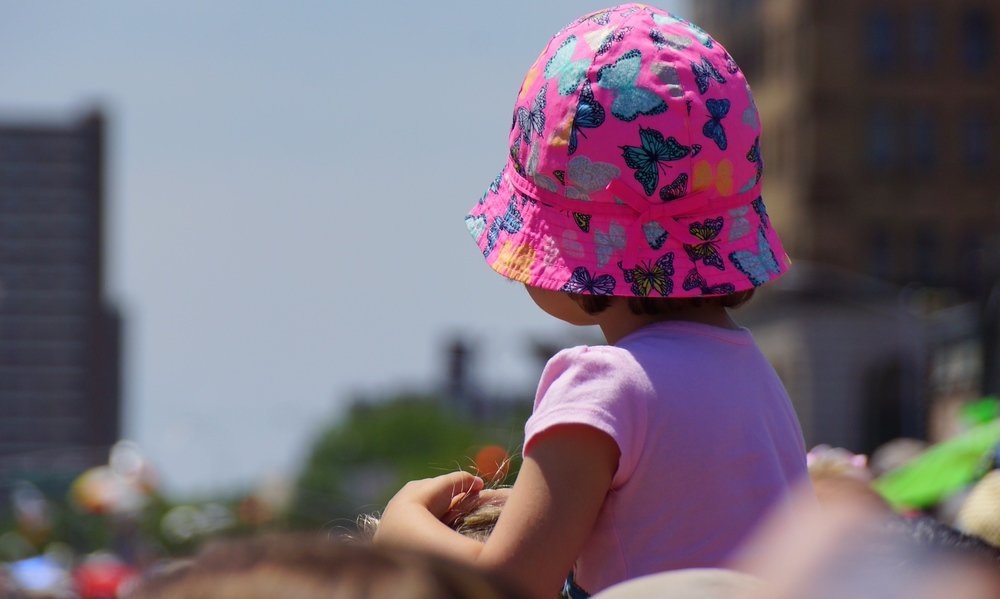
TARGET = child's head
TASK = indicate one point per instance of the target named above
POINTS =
(634, 170)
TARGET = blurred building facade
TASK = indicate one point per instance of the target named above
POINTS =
(60, 395)
(881, 130)
(881, 125)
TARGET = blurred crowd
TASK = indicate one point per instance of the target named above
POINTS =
(910, 520)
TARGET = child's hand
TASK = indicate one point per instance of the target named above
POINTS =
(434, 495)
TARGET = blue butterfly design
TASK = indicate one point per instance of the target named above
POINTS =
(647, 159)
(705, 73)
(600, 18)
(758, 266)
(754, 156)
(581, 281)
(646, 277)
(630, 101)
(493, 188)
(694, 280)
(615, 36)
(707, 252)
(511, 222)
(676, 42)
(657, 37)
(476, 224)
(758, 207)
(589, 115)
(607, 243)
(534, 119)
(655, 234)
(700, 34)
(570, 72)
(713, 129)
(675, 190)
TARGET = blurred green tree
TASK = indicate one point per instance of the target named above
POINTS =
(357, 463)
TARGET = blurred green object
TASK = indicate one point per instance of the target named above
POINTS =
(941, 471)
(985, 410)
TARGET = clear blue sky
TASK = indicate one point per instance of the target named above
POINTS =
(287, 182)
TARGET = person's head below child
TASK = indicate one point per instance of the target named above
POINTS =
(315, 566)
(630, 200)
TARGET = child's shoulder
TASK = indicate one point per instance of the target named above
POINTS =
(594, 363)
(595, 355)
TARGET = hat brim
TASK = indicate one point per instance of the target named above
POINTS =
(729, 245)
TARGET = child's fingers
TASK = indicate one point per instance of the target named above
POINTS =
(498, 495)
(437, 493)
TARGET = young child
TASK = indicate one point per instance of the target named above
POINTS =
(630, 200)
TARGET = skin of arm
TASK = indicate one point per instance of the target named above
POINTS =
(552, 508)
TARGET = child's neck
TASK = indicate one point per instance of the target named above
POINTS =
(617, 320)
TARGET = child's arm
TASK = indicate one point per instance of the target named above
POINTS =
(551, 511)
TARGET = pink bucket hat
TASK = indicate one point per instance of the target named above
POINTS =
(634, 166)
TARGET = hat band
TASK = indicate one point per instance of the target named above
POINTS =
(619, 200)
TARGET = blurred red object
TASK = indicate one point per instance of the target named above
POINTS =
(492, 463)
(101, 577)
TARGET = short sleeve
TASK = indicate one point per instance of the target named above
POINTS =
(603, 387)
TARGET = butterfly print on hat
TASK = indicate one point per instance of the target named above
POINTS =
(585, 176)
(708, 251)
(695, 280)
(581, 281)
(589, 115)
(667, 74)
(759, 266)
(515, 156)
(630, 100)
(601, 18)
(700, 34)
(646, 278)
(675, 190)
(705, 73)
(511, 222)
(600, 41)
(655, 234)
(476, 224)
(606, 244)
(648, 158)
(493, 188)
(713, 129)
(754, 156)
(662, 40)
(570, 245)
(533, 120)
(570, 72)
(739, 224)
(758, 207)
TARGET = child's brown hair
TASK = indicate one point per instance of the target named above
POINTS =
(662, 306)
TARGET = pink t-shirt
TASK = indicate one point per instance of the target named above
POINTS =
(708, 439)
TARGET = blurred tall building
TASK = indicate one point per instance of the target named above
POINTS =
(882, 140)
(881, 123)
(60, 390)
